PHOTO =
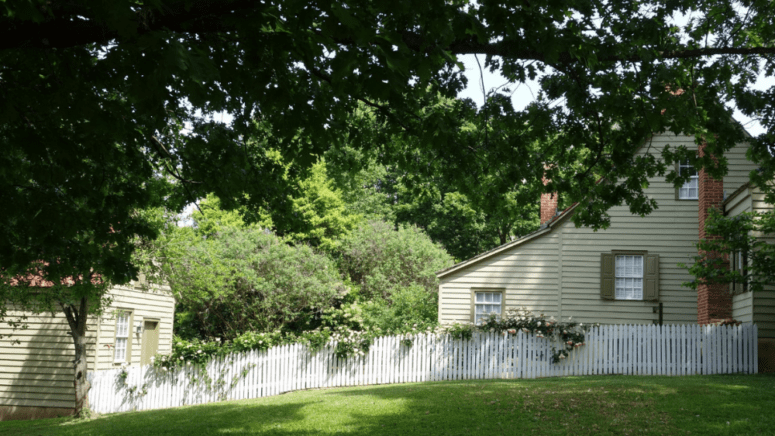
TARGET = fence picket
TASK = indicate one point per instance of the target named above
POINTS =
(618, 349)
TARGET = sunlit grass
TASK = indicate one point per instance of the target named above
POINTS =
(707, 405)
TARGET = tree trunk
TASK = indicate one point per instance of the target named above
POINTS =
(76, 318)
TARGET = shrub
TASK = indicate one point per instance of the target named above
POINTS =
(242, 280)
(381, 259)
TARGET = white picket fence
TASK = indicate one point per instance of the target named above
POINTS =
(611, 349)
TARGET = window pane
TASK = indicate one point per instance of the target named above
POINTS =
(479, 297)
(629, 277)
(120, 349)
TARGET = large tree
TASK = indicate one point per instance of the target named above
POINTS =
(95, 95)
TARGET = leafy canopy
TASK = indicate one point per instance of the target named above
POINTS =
(95, 96)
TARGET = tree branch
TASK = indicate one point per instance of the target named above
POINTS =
(69, 28)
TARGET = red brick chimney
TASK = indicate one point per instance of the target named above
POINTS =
(714, 302)
(548, 204)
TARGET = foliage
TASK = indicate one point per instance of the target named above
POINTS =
(320, 217)
(210, 218)
(381, 259)
(469, 210)
(409, 310)
(242, 280)
(741, 236)
(96, 99)
(410, 306)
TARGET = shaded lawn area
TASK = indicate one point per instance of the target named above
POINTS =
(609, 405)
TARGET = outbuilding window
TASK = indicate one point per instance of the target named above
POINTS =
(122, 336)
(629, 276)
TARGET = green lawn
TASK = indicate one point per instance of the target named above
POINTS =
(702, 405)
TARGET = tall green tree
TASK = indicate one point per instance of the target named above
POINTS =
(319, 215)
(94, 96)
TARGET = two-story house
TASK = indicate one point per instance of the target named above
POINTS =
(625, 274)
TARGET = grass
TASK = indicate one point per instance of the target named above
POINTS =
(606, 405)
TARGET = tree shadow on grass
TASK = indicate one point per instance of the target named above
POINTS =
(574, 405)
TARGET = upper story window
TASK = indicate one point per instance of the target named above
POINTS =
(690, 190)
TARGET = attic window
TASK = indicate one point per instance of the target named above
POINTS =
(690, 190)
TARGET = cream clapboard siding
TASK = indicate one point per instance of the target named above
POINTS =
(763, 302)
(738, 168)
(155, 305)
(742, 303)
(670, 231)
(558, 273)
(38, 371)
(528, 275)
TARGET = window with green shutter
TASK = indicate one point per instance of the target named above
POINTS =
(626, 275)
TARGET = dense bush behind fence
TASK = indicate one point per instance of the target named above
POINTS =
(610, 349)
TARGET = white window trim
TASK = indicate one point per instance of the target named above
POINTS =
(122, 334)
(476, 316)
(633, 292)
(692, 183)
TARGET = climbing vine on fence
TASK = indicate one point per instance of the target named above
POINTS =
(348, 342)
(569, 334)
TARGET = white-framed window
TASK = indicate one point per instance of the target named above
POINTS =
(691, 189)
(629, 277)
(739, 262)
(122, 336)
(486, 303)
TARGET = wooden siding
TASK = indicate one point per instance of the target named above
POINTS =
(151, 305)
(38, 371)
(558, 273)
(738, 168)
(763, 302)
(528, 275)
(742, 304)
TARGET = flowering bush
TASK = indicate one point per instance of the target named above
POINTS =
(570, 334)
(357, 341)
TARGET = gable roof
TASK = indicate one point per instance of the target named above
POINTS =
(544, 229)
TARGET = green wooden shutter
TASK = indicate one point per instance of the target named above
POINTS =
(607, 277)
(651, 278)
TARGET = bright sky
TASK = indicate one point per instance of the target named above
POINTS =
(523, 94)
